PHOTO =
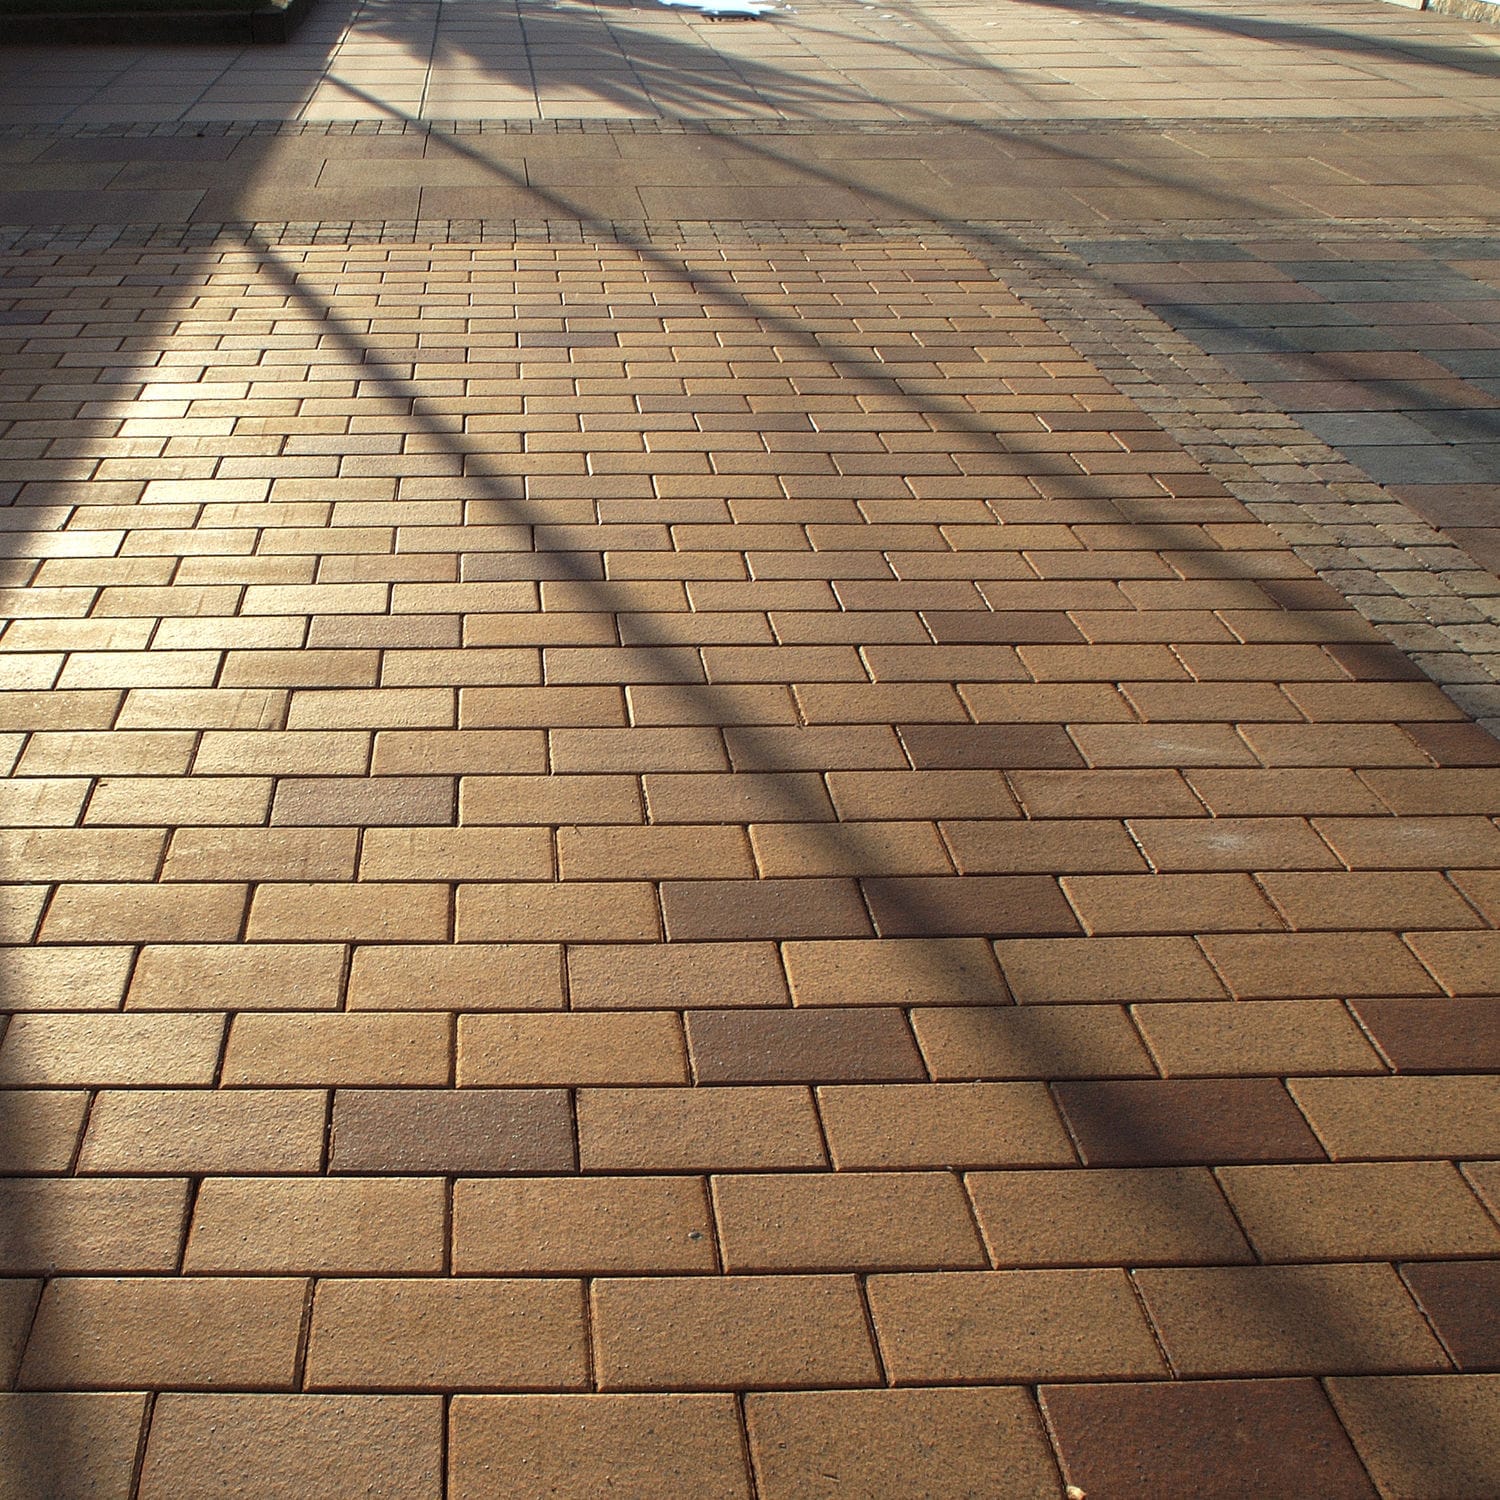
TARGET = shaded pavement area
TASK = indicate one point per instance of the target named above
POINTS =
(753, 759)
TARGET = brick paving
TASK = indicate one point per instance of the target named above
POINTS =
(698, 804)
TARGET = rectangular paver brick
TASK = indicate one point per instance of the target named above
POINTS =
(187, 1333)
(116, 1226)
(101, 1050)
(1106, 1217)
(675, 976)
(571, 1050)
(278, 1447)
(366, 1049)
(200, 1131)
(697, 1130)
(574, 1447)
(582, 1226)
(1390, 1118)
(845, 1221)
(287, 1226)
(420, 1335)
(1140, 1441)
(945, 1444)
(1287, 1320)
(463, 976)
(1010, 1327)
(803, 1045)
(731, 1333)
(442, 1130)
(1164, 1122)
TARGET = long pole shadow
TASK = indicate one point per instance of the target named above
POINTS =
(920, 915)
(696, 280)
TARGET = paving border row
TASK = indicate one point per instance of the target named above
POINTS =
(1426, 595)
(740, 125)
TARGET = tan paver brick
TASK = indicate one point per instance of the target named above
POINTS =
(122, 1225)
(1464, 962)
(197, 1333)
(876, 1126)
(66, 1443)
(166, 801)
(739, 797)
(585, 1226)
(642, 853)
(1418, 1433)
(223, 976)
(729, 1333)
(118, 752)
(697, 1130)
(419, 1335)
(466, 976)
(571, 1050)
(326, 912)
(277, 1447)
(579, 911)
(1048, 846)
(1131, 904)
(1232, 844)
(403, 853)
(458, 752)
(183, 913)
(541, 800)
(1356, 1211)
(954, 971)
(1019, 1041)
(311, 854)
(576, 1447)
(101, 1050)
(1275, 1037)
(1412, 842)
(40, 1129)
(944, 1444)
(81, 853)
(338, 1049)
(1403, 901)
(678, 976)
(1391, 1118)
(200, 1131)
(1100, 970)
(1106, 1217)
(18, 1300)
(1273, 966)
(1010, 1327)
(289, 1226)
(82, 978)
(845, 1221)
(380, 708)
(1287, 1320)
(888, 795)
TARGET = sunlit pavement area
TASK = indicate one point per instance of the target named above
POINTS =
(753, 758)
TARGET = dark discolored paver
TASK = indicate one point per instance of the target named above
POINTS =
(438, 1130)
(1143, 1441)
